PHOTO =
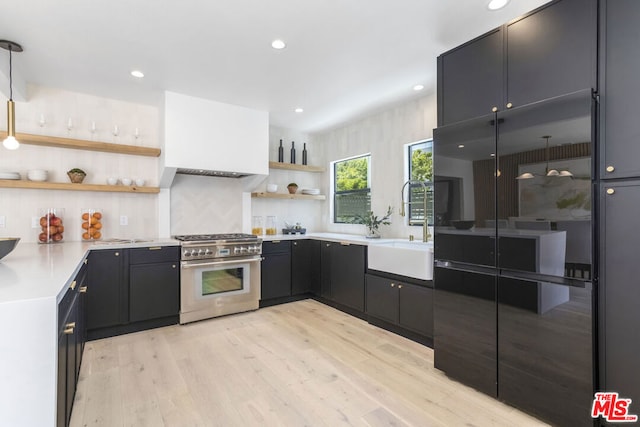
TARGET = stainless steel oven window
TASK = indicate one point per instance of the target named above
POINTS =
(222, 280)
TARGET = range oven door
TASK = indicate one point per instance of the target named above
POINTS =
(219, 287)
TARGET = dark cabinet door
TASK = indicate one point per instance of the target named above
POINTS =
(620, 293)
(619, 89)
(347, 274)
(382, 298)
(551, 52)
(304, 272)
(73, 338)
(106, 277)
(546, 357)
(61, 394)
(470, 79)
(465, 327)
(69, 340)
(81, 324)
(154, 291)
(276, 276)
(416, 308)
(326, 255)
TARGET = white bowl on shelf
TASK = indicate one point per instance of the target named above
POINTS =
(112, 180)
(125, 181)
(272, 188)
(37, 175)
(140, 182)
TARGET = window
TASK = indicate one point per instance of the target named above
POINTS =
(351, 188)
(420, 169)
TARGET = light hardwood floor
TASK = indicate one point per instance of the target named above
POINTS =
(296, 364)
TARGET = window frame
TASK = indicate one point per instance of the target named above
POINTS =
(335, 192)
(411, 221)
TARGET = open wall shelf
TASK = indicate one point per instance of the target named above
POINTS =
(7, 183)
(80, 144)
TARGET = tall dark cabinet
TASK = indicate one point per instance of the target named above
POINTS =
(513, 316)
(546, 53)
(619, 191)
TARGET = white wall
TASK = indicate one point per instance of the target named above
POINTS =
(18, 206)
(306, 212)
(384, 136)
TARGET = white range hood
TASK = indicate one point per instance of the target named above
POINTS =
(204, 137)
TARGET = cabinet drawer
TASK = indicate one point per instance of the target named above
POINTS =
(276, 246)
(154, 254)
(65, 305)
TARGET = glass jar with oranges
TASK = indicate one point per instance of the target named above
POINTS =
(91, 224)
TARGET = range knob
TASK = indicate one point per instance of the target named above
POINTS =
(243, 249)
(194, 252)
(200, 252)
(207, 251)
(187, 252)
(236, 250)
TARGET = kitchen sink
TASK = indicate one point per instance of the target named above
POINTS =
(402, 257)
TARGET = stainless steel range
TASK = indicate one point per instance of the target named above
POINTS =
(220, 274)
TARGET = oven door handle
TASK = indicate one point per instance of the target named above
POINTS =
(187, 264)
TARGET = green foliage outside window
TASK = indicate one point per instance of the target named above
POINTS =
(352, 192)
(420, 169)
(352, 174)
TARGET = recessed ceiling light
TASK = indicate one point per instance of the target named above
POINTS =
(461, 146)
(497, 4)
(299, 110)
(137, 73)
(418, 87)
(278, 44)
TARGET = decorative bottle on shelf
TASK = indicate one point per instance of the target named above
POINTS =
(293, 152)
(281, 153)
(304, 154)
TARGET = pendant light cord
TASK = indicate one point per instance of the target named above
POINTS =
(10, 74)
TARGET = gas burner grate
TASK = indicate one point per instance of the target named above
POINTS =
(214, 237)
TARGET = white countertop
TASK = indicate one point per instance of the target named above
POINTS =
(34, 270)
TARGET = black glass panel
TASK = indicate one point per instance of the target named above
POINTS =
(465, 327)
(544, 187)
(545, 350)
(464, 191)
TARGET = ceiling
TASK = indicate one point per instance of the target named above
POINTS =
(344, 58)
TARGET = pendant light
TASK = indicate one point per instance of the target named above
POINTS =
(11, 143)
(547, 172)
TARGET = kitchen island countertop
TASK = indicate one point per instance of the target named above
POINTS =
(35, 270)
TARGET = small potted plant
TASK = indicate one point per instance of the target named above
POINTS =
(373, 222)
(76, 175)
(292, 187)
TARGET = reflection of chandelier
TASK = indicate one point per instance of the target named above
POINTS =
(547, 171)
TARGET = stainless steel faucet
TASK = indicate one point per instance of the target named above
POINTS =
(425, 228)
